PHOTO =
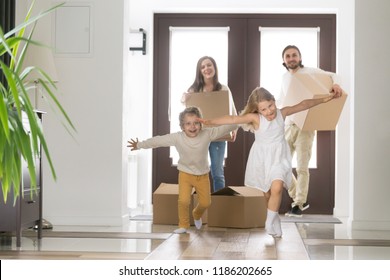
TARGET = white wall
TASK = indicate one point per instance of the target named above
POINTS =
(91, 184)
(107, 109)
(371, 176)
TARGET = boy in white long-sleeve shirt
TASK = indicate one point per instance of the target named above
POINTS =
(192, 144)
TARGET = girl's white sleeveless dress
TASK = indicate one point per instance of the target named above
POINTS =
(269, 158)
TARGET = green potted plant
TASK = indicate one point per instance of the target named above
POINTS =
(16, 145)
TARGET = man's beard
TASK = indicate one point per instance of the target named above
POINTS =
(294, 66)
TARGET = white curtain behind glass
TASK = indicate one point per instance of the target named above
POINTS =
(187, 45)
(272, 43)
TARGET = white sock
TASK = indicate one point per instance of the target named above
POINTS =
(198, 223)
(277, 226)
(269, 227)
(180, 230)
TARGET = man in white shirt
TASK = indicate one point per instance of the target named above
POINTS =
(300, 142)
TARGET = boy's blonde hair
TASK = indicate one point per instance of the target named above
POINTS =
(189, 111)
(258, 94)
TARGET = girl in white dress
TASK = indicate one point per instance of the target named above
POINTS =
(269, 163)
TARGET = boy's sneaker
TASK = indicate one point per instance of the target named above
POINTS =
(198, 223)
(305, 206)
(180, 231)
(295, 212)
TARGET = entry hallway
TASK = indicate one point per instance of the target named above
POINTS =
(141, 240)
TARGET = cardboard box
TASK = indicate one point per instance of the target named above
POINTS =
(237, 207)
(322, 117)
(165, 205)
(212, 105)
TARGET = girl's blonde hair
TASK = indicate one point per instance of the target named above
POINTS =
(258, 94)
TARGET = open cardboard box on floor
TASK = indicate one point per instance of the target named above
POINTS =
(237, 207)
(165, 205)
(212, 104)
(322, 117)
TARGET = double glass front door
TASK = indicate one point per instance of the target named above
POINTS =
(248, 51)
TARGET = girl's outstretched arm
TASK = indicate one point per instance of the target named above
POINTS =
(307, 104)
(228, 119)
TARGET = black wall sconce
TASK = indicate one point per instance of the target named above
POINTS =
(143, 48)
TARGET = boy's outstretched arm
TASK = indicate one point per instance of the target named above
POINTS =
(307, 104)
(133, 144)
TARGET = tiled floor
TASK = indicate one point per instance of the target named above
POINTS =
(141, 240)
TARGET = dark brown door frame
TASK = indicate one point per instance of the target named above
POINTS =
(243, 76)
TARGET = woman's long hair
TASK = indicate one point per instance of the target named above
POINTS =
(199, 83)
